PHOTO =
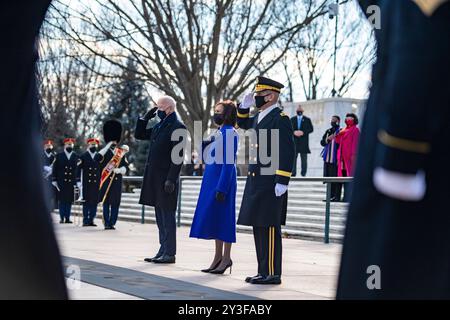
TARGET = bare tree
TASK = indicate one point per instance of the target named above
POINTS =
(71, 94)
(313, 54)
(198, 51)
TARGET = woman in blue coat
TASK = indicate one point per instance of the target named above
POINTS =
(215, 216)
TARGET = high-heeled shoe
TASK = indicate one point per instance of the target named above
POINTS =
(211, 269)
(217, 271)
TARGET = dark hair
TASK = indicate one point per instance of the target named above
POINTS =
(354, 116)
(229, 112)
(337, 117)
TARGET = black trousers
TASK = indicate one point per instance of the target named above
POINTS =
(303, 163)
(268, 250)
(167, 226)
(331, 170)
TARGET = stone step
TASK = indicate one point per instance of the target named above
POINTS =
(307, 231)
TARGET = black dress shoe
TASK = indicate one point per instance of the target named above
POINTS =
(267, 280)
(248, 279)
(61, 221)
(68, 221)
(152, 259)
(211, 269)
(92, 224)
(86, 225)
(165, 259)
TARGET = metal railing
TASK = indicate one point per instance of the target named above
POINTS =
(325, 180)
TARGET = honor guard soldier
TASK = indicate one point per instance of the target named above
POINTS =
(66, 178)
(90, 178)
(48, 159)
(397, 241)
(113, 166)
(264, 203)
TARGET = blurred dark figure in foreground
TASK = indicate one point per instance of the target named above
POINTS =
(397, 243)
(30, 264)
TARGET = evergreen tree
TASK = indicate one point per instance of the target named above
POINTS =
(128, 101)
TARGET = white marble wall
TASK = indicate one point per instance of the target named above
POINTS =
(320, 112)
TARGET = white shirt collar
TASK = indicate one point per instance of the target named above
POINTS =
(92, 154)
(68, 155)
(264, 113)
(48, 154)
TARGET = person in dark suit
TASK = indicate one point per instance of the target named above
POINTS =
(65, 178)
(30, 266)
(264, 203)
(303, 127)
(110, 194)
(49, 157)
(330, 156)
(397, 237)
(90, 178)
(160, 185)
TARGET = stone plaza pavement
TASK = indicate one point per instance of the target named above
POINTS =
(112, 266)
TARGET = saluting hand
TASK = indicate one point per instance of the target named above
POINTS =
(248, 101)
(150, 114)
(169, 186)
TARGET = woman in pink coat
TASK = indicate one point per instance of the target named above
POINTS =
(348, 140)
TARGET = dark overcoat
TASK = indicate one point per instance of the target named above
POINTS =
(160, 166)
(260, 207)
(91, 174)
(405, 130)
(66, 174)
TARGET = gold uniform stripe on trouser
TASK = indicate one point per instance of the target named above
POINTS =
(271, 250)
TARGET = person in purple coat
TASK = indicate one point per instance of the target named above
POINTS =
(215, 215)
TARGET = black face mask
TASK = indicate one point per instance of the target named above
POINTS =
(299, 113)
(259, 101)
(162, 114)
(334, 124)
(48, 150)
(218, 119)
(93, 149)
(69, 149)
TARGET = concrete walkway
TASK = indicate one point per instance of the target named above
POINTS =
(112, 266)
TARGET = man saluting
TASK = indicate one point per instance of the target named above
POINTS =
(264, 203)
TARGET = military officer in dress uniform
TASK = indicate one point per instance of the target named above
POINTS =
(397, 243)
(66, 178)
(49, 157)
(111, 192)
(90, 178)
(264, 202)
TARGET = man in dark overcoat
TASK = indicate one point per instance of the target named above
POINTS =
(397, 243)
(90, 178)
(162, 170)
(65, 178)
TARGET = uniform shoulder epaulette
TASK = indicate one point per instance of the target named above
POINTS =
(283, 114)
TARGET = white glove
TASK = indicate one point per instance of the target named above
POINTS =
(47, 171)
(406, 187)
(248, 101)
(106, 148)
(121, 170)
(55, 184)
(79, 185)
(280, 189)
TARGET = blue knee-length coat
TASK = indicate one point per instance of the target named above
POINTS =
(214, 219)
